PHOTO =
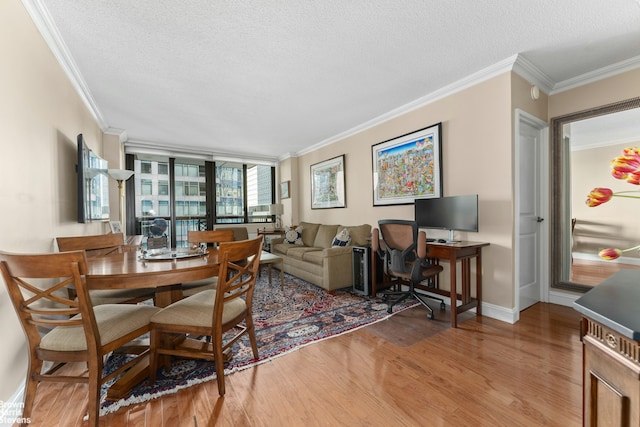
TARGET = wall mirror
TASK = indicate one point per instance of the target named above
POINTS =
(582, 146)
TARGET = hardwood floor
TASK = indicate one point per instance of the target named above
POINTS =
(405, 371)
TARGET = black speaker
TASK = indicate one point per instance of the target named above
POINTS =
(362, 270)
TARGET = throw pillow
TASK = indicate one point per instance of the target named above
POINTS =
(293, 236)
(342, 238)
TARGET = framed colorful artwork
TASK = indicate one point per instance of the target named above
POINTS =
(408, 167)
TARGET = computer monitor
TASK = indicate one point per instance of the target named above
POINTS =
(448, 213)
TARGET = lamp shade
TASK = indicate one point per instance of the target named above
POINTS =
(120, 174)
(276, 209)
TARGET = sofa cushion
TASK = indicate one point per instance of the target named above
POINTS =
(360, 234)
(298, 252)
(314, 257)
(342, 238)
(293, 236)
(325, 236)
(309, 230)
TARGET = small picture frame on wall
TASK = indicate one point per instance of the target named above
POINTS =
(116, 227)
(284, 189)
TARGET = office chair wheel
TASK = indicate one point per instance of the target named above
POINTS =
(430, 316)
(442, 306)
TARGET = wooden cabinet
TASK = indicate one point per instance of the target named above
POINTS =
(611, 377)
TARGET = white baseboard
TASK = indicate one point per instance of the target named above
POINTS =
(12, 408)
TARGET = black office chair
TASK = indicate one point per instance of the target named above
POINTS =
(403, 250)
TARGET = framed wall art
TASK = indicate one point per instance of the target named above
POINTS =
(408, 167)
(327, 184)
(284, 189)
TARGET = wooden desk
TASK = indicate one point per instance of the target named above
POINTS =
(463, 252)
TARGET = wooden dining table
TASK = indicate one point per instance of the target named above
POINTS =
(128, 270)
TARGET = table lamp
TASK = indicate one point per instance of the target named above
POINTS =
(121, 175)
(277, 209)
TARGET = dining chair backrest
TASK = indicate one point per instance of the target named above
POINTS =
(239, 233)
(94, 245)
(239, 267)
(210, 237)
(60, 329)
(44, 304)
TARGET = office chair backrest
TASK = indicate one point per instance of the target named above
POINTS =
(400, 240)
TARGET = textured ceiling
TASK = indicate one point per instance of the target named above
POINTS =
(271, 78)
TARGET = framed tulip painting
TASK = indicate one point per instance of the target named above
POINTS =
(408, 167)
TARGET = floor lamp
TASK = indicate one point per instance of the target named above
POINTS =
(121, 175)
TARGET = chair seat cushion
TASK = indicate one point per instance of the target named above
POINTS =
(197, 310)
(114, 321)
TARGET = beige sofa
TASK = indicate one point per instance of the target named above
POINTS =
(315, 260)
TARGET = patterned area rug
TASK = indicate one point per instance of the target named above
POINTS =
(285, 321)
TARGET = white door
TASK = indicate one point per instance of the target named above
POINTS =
(529, 217)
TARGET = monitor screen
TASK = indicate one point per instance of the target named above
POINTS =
(448, 213)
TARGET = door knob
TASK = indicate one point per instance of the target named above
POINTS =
(539, 219)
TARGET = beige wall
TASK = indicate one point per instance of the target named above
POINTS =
(40, 117)
(476, 152)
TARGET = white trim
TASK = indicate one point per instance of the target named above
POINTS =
(7, 409)
(595, 257)
(563, 298)
(599, 74)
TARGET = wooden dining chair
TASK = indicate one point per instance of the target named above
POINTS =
(211, 238)
(211, 313)
(104, 245)
(63, 330)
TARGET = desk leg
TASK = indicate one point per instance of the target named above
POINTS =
(453, 293)
(479, 283)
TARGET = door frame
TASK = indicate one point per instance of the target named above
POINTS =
(522, 117)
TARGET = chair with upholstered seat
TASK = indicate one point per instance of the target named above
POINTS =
(211, 238)
(211, 313)
(64, 330)
(104, 245)
(403, 250)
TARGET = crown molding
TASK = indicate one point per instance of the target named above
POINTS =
(487, 73)
(43, 21)
(157, 149)
(599, 74)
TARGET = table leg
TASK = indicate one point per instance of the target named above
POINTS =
(281, 275)
(270, 273)
(166, 295)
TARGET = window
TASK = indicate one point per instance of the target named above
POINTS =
(259, 194)
(229, 192)
(242, 192)
(163, 187)
(146, 188)
(145, 167)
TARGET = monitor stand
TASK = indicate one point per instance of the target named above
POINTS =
(451, 239)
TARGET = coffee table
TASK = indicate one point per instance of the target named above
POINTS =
(267, 258)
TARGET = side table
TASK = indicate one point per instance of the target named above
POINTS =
(268, 259)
